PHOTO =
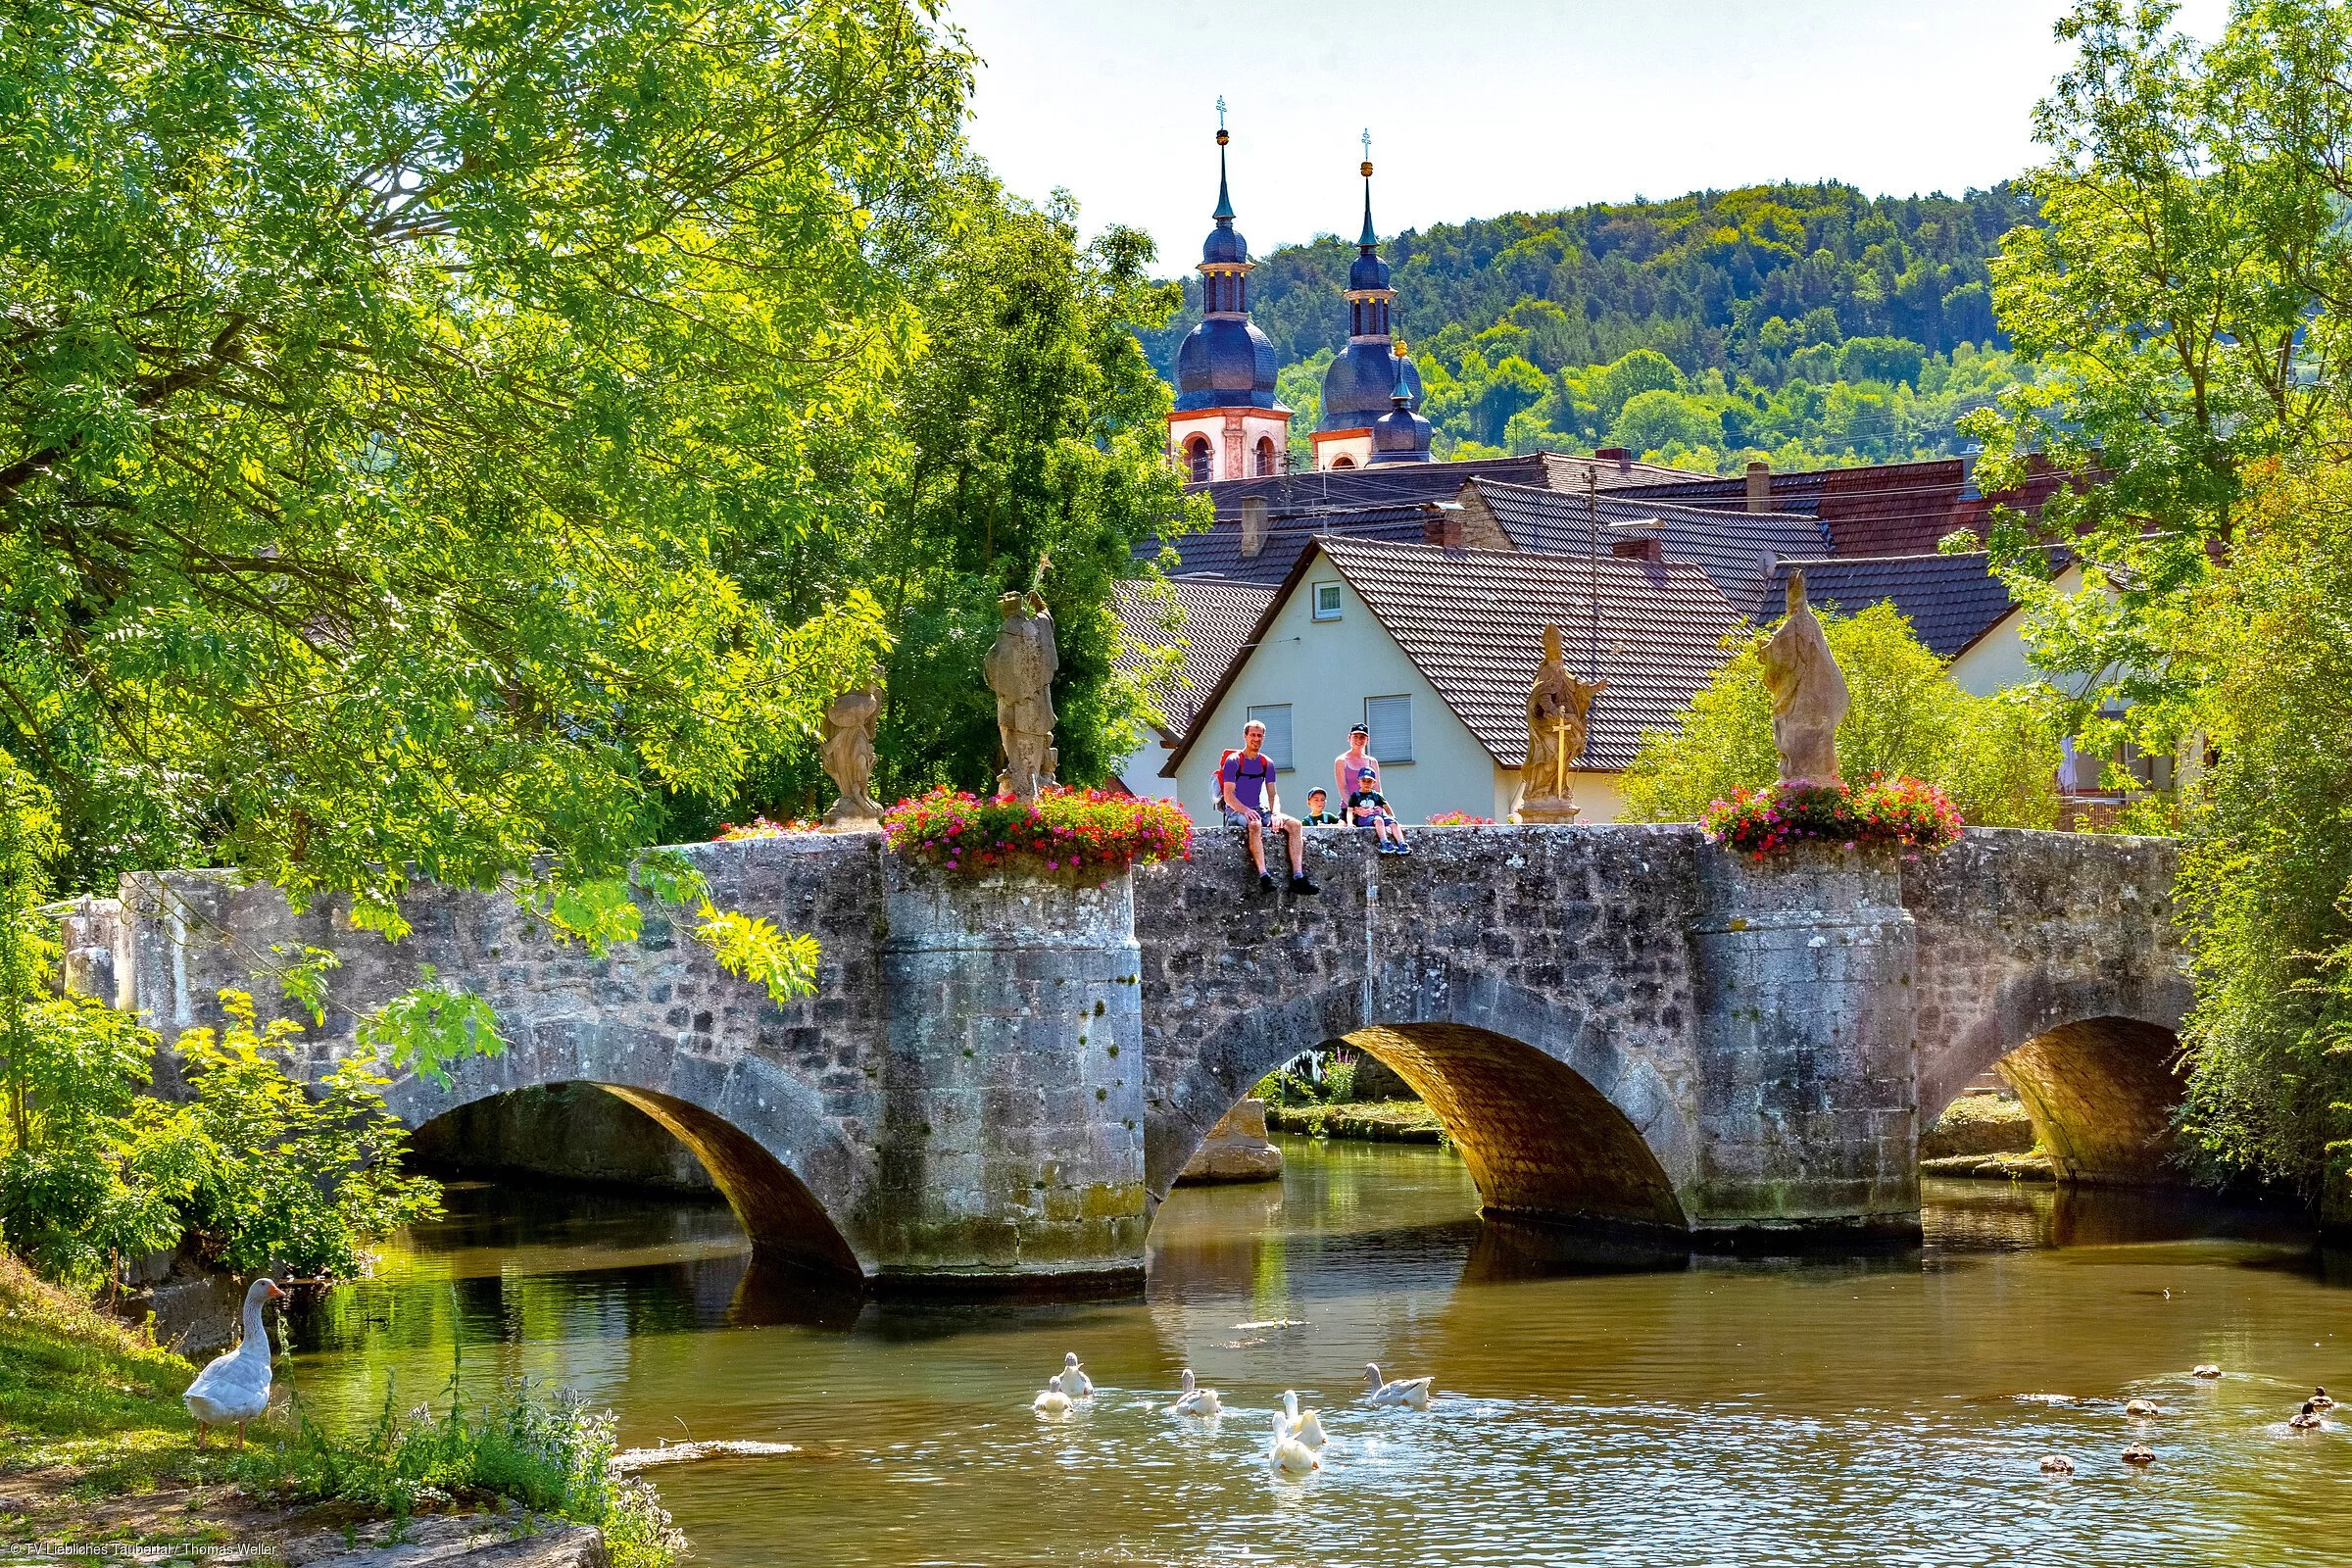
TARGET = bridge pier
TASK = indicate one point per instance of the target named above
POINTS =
(1807, 1047)
(1012, 1148)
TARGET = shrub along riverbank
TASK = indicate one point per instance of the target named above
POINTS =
(96, 1447)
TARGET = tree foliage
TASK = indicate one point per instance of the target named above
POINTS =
(382, 387)
(2265, 876)
(1995, 757)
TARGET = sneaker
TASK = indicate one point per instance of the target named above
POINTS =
(1404, 849)
(1265, 882)
(1299, 884)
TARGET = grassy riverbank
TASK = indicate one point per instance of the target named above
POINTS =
(1382, 1121)
(96, 1450)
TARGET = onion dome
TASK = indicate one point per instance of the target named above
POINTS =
(1401, 435)
(1358, 382)
(1225, 362)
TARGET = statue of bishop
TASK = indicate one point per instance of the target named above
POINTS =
(1019, 669)
(1558, 706)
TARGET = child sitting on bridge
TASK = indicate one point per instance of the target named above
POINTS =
(1369, 808)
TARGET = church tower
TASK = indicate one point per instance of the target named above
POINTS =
(1362, 385)
(1225, 423)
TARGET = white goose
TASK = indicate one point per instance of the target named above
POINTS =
(1306, 1427)
(1052, 1402)
(1074, 1380)
(235, 1387)
(1405, 1390)
(1289, 1456)
(1196, 1401)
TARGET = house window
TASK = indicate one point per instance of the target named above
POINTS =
(1343, 461)
(1265, 457)
(1391, 721)
(1195, 457)
(1276, 717)
(1327, 601)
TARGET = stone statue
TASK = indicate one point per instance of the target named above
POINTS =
(1557, 707)
(851, 721)
(1808, 694)
(1020, 668)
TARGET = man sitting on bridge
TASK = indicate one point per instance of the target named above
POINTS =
(1246, 790)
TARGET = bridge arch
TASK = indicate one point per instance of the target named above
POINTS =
(1554, 1123)
(2094, 1063)
(784, 1168)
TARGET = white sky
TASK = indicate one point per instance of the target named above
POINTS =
(1481, 107)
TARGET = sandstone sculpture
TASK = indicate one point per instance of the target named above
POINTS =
(848, 753)
(1020, 668)
(1808, 694)
(1557, 707)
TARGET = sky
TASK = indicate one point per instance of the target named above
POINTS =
(1483, 107)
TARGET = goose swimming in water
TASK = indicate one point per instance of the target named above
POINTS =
(1413, 1392)
(1305, 1426)
(2306, 1419)
(1289, 1456)
(2143, 1409)
(1074, 1380)
(1053, 1401)
(236, 1387)
(2057, 1465)
(2205, 1369)
(2320, 1401)
(1194, 1400)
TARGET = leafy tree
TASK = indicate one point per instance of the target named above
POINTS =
(384, 387)
(1029, 425)
(1997, 756)
(2266, 875)
(2184, 299)
(1661, 420)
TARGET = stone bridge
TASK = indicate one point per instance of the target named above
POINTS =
(1623, 1027)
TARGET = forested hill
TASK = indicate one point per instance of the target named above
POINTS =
(1807, 323)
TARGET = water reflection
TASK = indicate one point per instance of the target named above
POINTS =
(1887, 1408)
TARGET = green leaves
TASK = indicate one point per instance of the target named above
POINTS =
(754, 949)
(428, 1026)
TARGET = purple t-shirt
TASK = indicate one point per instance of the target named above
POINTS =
(1353, 770)
(1248, 776)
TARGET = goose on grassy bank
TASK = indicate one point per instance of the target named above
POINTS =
(235, 1387)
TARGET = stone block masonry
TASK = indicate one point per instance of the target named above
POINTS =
(997, 1081)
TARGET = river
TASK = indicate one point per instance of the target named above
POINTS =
(1889, 1409)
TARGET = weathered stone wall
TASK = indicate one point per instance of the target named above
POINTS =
(562, 1132)
(1618, 1023)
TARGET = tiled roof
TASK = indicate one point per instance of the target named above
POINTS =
(1797, 491)
(1293, 494)
(1950, 601)
(1214, 620)
(1217, 553)
(1736, 549)
(1472, 622)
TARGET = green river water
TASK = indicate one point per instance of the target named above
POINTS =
(1889, 1409)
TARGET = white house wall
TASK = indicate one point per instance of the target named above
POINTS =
(1325, 669)
(1997, 659)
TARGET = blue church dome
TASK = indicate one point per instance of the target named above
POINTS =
(1358, 383)
(1369, 271)
(1401, 435)
(1225, 362)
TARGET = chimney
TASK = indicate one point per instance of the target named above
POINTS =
(1253, 526)
(1759, 485)
(1441, 525)
(1617, 455)
(1648, 547)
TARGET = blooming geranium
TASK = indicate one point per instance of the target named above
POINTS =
(1065, 830)
(1459, 819)
(1883, 811)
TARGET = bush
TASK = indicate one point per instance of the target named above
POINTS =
(1899, 811)
(550, 1453)
(1065, 830)
(762, 827)
(1459, 819)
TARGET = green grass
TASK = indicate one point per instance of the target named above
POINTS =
(75, 1384)
(1387, 1121)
